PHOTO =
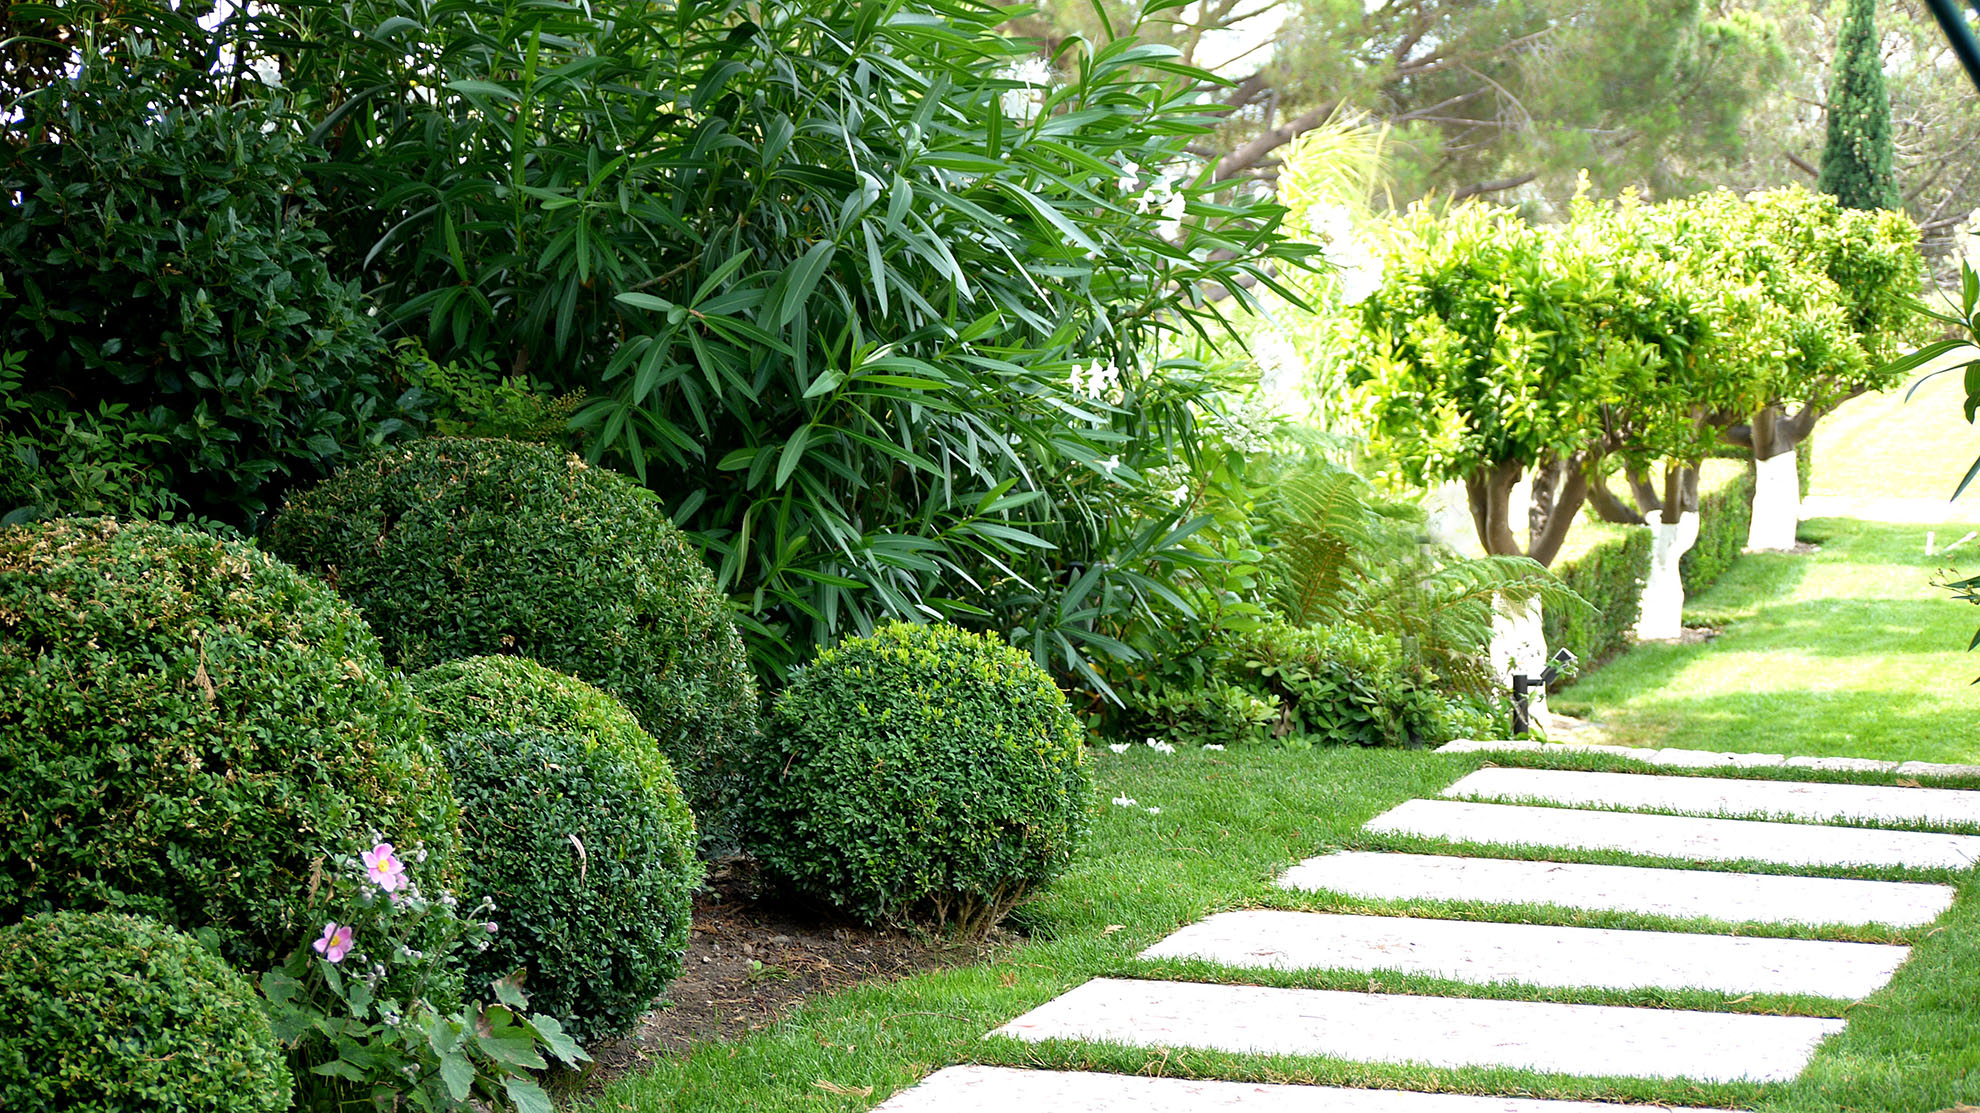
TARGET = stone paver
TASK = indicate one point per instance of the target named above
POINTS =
(976, 1089)
(1682, 894)
(1724, 840)
(1706, 759)
(1723, 796)
(1567, 957)
(1435, 1031)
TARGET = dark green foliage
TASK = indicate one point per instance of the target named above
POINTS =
(1609, 575)
(455, 547)
(120, 1014)
(165, 283)
(591, 866)
(1856, 159)
(1723, 517)
(922, 769)
(186, 726)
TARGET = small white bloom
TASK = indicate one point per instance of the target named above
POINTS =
(1180, 496)
(1161, 747)
(1124, 801)
(1154, 811)
(1130, 177)
(1118, 747)
(1111, 464)
(1213, 745)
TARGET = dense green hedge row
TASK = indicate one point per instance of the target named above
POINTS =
(1609, 574)
(1724, 514)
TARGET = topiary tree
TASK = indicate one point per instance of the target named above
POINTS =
(922, 769)
(573, 823)
(187, 726)
(1856, 158)
(121, 1014)
(458, 547)
(164, 281)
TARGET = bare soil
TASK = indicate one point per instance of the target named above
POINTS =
(753, 956)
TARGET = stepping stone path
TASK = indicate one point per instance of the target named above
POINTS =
(1806, 825)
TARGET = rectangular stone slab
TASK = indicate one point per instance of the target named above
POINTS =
(1433, 1031)
(1673, 836)
(1482, 952)
(1681, 894)
(1723, 796)
(974, 1089)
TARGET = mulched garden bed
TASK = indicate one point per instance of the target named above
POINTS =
(753, 956)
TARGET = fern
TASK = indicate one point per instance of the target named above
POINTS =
(1342, 554)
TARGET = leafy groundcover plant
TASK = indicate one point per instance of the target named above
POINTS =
(361, 1007)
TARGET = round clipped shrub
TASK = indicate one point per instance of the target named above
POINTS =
(923, 769)
(186, 726)
(591, 866)
(121, 1014)
(458, 547)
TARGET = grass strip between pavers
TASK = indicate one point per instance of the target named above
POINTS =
(1229, 824)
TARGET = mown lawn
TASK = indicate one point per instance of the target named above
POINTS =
(1849, 651)
(1228, 823)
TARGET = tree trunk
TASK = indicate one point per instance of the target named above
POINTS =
(1661, 615)
(1648, 502)
(1609, 506)
(1776, 483)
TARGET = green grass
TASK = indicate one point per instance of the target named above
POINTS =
(1883, 446)
(1849, 651)
(1229, 823)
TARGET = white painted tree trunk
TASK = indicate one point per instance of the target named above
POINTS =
(1448, 510)
(1776, 503)
(1662, 614)
(1519, 645)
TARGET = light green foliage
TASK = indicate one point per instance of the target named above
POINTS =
(1856, 159)
(120, 1014)
(370, 1015)
(458, 547)
(920, 770)
(187, 726)
(475, 401)
(573, 823)
(1606, 567)
(185, 345)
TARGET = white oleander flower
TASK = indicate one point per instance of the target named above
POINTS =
(1124, 801)
(1118, 747)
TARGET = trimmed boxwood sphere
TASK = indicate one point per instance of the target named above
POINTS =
(186, 726)
(459, 547)
(922, 769)
(121, 1014)
(591, 866)
(601, 932)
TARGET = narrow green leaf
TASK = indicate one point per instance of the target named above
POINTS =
(792, 455)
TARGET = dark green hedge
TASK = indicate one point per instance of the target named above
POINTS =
(1610, 576)
(187, 725)
(458, 547)
(106, 1013)
(573, 822)
(921, 769)
(1723, 517)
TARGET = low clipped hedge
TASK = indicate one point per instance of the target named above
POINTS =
(573, 822)
(1609, 573)
(186, 726)
(1725, 513)
(459, 547)
(922, 769)
(122, 1014)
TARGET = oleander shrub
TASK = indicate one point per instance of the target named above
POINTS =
(573, 822)
(113, 1013)
(187, 726)
(459, 547)
(920, 770)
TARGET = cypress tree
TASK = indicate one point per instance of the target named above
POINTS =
(1856, 160)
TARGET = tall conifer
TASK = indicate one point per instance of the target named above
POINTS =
(1856, 160)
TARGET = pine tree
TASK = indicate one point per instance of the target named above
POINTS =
(1856, 160)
